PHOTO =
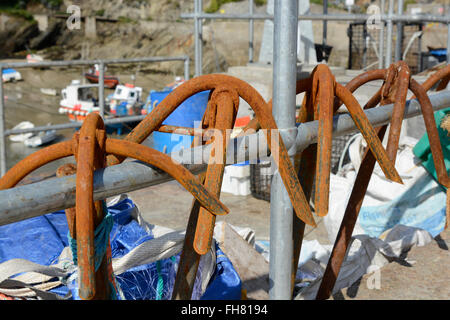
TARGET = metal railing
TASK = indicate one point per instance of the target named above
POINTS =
(31, 200)
(390, 18)
(101, 94)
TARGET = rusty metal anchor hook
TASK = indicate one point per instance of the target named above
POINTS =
(394, 90)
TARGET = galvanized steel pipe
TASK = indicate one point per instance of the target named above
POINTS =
(284, 92)
(250, 32)
(448, 42)
(399, 40)
(324, 25)
(389, 36)
(186, 68)
(66, 63)
(198, 38)
(101, 89)
(320, 17)
(381, 39)
(2, 128)
(72, 125)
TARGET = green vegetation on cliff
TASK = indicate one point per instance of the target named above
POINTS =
(18, 7)
(22, 4)
(214, 5)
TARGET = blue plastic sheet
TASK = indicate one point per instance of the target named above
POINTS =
(43, 238)
(422, 206)
(225, 281)
(39, 239)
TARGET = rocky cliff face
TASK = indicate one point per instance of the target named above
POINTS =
(143, 28)
(161, 10)
(154, 28)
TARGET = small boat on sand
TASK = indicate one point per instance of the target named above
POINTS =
(33, 58)
(11, 75)
(93, 77)
(40, 139)
(49, 91)
(31, 139)
(23, 136)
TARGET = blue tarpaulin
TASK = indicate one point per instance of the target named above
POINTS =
(42, 239)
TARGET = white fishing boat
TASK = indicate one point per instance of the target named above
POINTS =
(78, 100)
(126, 100)
(23, 136)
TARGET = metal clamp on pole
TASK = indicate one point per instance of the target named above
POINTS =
(289, 136)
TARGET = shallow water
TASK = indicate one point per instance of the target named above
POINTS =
(36, 108)
(25, 102)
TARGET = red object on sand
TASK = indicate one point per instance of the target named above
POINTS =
(110, 81)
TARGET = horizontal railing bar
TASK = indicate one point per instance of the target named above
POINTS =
(126, 119)
(322, 17)
(64, 63)
(71, 125)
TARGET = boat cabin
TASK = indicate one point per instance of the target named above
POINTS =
(126, 95)
(78, 100)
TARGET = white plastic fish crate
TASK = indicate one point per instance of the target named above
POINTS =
(236, 179)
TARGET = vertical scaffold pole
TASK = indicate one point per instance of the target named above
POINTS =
(2, 128)
(389, 35)
(284, 83)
